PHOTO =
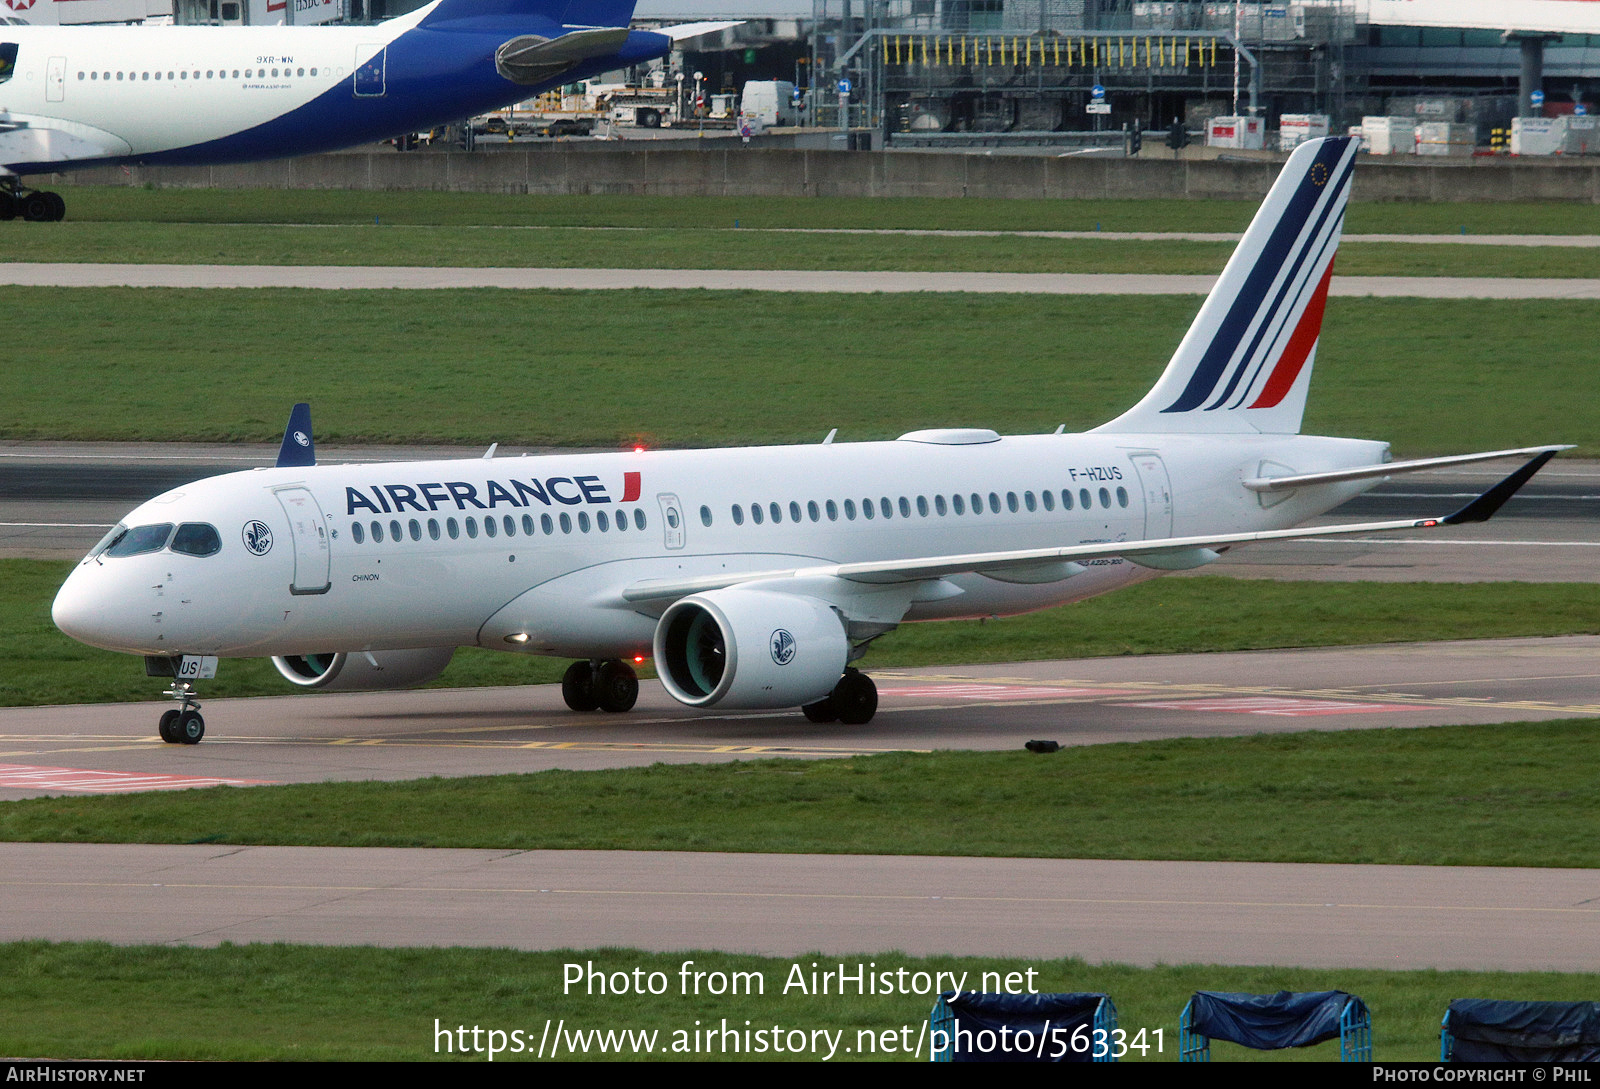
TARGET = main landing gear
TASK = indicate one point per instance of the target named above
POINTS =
(853, 701)
(609, 685)
(34, 205)
(182, 725)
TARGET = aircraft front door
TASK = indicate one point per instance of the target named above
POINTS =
(671, 519)
(1157, 495)
(371, 75)
(55, 79)
(312, 561)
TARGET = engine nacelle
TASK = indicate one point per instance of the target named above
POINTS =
(749, 648)
(362, 672)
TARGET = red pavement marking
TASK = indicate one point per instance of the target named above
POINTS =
(1000, 692)
(28, 777)
(1272, 705)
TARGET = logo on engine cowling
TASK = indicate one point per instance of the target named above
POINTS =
(783, 647)
(258, 538)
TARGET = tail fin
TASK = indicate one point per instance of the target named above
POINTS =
(1245, 364)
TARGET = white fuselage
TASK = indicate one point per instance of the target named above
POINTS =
(401, 555)
(135, 91)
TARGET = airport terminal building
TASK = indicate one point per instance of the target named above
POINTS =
(942, 71)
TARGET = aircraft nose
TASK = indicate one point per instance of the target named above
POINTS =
(84, 610)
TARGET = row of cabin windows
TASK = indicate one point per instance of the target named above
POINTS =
(249, 73)
(602, 522)
(885, 507)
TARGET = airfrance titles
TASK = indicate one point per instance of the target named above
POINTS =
(487, 495)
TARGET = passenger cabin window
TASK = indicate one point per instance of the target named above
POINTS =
(197, 539)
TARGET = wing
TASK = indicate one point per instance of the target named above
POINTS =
(1051, 564)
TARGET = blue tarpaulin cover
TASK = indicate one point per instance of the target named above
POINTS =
(1268, 1021)
(1489, 1030)
(1058, 1014)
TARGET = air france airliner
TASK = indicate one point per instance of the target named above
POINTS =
(756, 577)
(73, 97)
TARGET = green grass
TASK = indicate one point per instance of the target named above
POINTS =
(81, 999)
(729, 249)
(39, 665)
(607, 368)
(91, 204)
(1501, 795)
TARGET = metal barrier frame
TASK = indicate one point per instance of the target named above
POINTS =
(942, 1018)
(1355, 1035)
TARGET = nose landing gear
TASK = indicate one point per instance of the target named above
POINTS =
(182, 725)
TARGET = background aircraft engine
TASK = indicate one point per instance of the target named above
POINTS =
(749, 648)
(358, 673)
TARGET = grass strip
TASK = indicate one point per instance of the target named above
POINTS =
(39, 665)
(107, 204)
(251, 1002)
(612, 368)
(698, 248)
(90, 999)
(1503, 795)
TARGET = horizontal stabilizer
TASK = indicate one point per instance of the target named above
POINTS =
(1392, 468)
(531, 59)
(684, 31)
(298, 449)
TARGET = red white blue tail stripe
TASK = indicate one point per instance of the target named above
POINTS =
(1245, 364)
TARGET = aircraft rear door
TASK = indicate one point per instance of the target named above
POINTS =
(1157, 490)
(671, 519)
(55, 79)
(312, 561)
(371, 75)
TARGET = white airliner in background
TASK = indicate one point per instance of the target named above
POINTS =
(754, 577)
(80, 96)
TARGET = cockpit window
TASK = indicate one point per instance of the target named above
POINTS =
(140, 539)
(197, 539)
(107, 541)
(8, 60)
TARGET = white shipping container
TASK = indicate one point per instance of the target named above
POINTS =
(1580, 135)
(1536, 135)
(1446, 138)
(1246, 133)
(1390, 135)
(1360, 136)
(1296, 128)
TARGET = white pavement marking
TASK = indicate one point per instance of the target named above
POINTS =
(340, 277)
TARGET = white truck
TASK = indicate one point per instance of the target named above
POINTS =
(769, 102)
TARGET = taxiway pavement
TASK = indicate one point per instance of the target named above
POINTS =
(1145, 913)
(103, 748)
(375, 277)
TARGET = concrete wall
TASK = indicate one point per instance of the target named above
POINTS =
(600, 168)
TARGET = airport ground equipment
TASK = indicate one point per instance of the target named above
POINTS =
(978, 1027)
(1268, 1022)
(1486, 1030)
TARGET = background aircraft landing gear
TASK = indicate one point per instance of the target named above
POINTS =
(853, 701)
(33, 205)
(609, 685)
(182, 725)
